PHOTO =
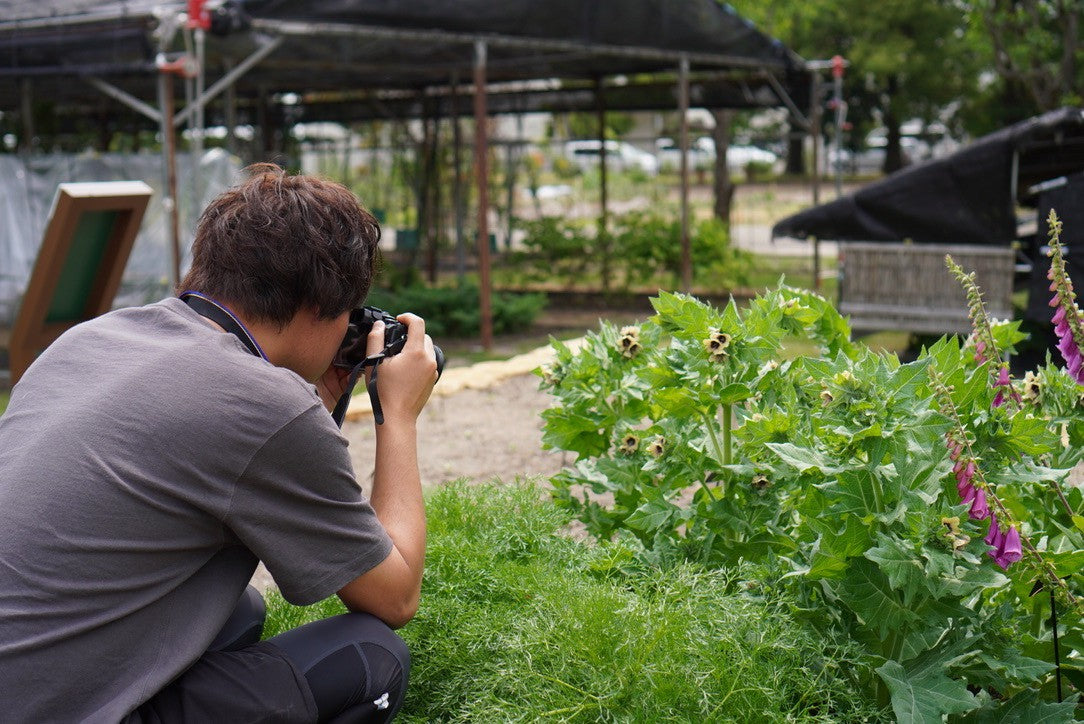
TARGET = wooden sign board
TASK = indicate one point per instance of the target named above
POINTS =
(87, 240)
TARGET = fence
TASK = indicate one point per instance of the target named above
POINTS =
(906, 286)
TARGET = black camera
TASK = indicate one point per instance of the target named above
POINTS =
(352, 350)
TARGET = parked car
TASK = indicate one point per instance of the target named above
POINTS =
(620, 156)
(701, 155)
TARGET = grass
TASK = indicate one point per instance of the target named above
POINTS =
(519, 622)
(4, 397)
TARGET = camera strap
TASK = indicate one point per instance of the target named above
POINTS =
(339, 414)
(221, 315)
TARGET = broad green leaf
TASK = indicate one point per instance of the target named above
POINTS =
(581, 433)
(802, 459)
(922, 697)
(1017, 668)
(1027, 707)
(654, 516)
(733, 393)
(855, 493)
(902, 567)
(867, 593)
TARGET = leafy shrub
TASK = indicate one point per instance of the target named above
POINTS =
(554, 249)
(642, 248)
(454, 311)
(711, 447)
(519, 622)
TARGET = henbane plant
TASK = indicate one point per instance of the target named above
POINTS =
(862, 481)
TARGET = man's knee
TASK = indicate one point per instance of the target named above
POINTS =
(353, 663)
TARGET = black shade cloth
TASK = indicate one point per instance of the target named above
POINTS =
(1067, 199)
(965, 198)
(55, 43)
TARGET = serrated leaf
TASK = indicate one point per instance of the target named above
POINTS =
(654, 516)
(867, 593)
(1016, 667)
(802, 459)
(901, 566)
(567, 429)
(732, 393)
(1027, 707)
(922, 697)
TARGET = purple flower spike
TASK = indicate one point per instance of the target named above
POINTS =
(1055, 301)
(1059, 316)
(1003, 377)
(979, 509)
(967, 492)
(997, 559)
(999, 399)
(994, 535)
(1010, 546)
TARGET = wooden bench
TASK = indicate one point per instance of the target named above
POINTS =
(905, 286)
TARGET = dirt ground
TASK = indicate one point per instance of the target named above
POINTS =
(477, 433)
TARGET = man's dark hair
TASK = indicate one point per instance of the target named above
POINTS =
(277, 243)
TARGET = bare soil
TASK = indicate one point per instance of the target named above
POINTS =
(493, 433)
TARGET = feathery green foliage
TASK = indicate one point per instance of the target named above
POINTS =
(520, 622)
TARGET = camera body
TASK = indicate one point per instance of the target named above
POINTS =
(352, 350)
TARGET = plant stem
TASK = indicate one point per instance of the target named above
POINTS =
(727, 445)
(710, 425)
(1061, 496)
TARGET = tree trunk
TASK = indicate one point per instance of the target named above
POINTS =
(724, 189)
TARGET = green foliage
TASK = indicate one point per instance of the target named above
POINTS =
(519, 622)
(454, 311)
(642, 248)
(705, 444)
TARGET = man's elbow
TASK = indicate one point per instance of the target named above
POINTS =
(395, 611)
(401, 614)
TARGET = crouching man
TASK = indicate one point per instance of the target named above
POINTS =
(151, 457)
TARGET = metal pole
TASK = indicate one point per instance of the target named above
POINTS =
(231, 111)
(169, 150)
(481, 173)
(837, 98)
(683, 108)
(457, 184)
(604, 210)
(27, 112)
(815, 132)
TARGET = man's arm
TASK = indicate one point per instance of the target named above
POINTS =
(391, 590)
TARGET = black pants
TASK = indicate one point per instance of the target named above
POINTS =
(348, 668)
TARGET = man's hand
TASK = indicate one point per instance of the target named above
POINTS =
(332, 385)
(405, 380)
(392, 589)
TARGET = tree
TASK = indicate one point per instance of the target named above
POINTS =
(1034, 57)
(908, 58)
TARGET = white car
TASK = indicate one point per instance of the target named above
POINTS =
(620, 156)
(738, 157)
(701, 155)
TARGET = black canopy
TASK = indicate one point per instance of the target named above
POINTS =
(364, 58)
(968, 197)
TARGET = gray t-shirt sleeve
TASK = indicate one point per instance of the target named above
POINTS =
(298, 507)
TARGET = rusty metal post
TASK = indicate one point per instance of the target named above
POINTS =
(169, 149)
(602, 232)
(481, 173)
(683, 107)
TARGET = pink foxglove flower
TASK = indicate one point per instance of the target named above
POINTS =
(1007, 550)
(1068, 324)
(994, 535)
(979, 509)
